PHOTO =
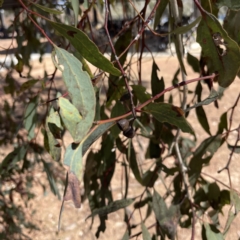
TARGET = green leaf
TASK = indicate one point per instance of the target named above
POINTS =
(202, 118)
(12, 158)
(193, 62)
(167, 218)
(95, 134)
(212, 233)
(145, 233)
(80, 89)
(133, 163)
(186, 28)
(74, 152)
(202, 155)
(71, 118)
(159, 207)
(141, 93)
(235, 200)
(46, 9)
(28, 84)
(75, 6)
(50, 142)
(112, 207)
(235, 149)
(229, 221)
(51, 179)
(30, 117)
(157, 84)
(85, 47)
(214, 95)
(165, 112)
(223, 123)
(125, 236)
(231, 24)
(231, 4)
(55, 125)
(227, 65)
(73, 159)
(159, 12)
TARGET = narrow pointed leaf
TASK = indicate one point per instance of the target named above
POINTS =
(227, 64)
(80, 90)
(165, 112)
(235, 149)
(46, 9)
(86, 47)
(70, 117)
(75, 6)
(231, 4)
(125, 236)
(112, 207)
(145, 233)
(186, 28)
(50, 141)
(212, 233)
(30, 117)
(27, 85)
(202, 118)
(159, 12)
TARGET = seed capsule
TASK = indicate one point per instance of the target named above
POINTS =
(123, 124)
(130, 132)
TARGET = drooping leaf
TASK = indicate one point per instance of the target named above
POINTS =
(202, 118)
(85, 47)
(73, 159)
(12, 158)
(235, 149)
(145, 233)
(167, 218)
(235, 200)
(112, 207)
(125, 236)
(223, 124)
(75, 6)
(30, 117)
(51, 179)
(70, 117)
(50, 142)
(28, 84)
(212, 233)
(231, 24)
(80, 89)
(186, 28)
(95, 134)
(46, 9)
(55, 125)
(159, 12)
(165, 112)
(202, 155)
(193, 62)
(141, 93)
(231, 217)
(73, 190)
(157, 84)
(213, 96)
(133, 163)
(225, 63)
(231, 4)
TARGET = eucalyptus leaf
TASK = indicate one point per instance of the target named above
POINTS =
(46, 9)
(112, 207)
(81, 91)
(85, 47)
(225, 63)
(30, 117)
(165, 112)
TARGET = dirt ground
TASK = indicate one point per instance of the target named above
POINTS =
(74, 226)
